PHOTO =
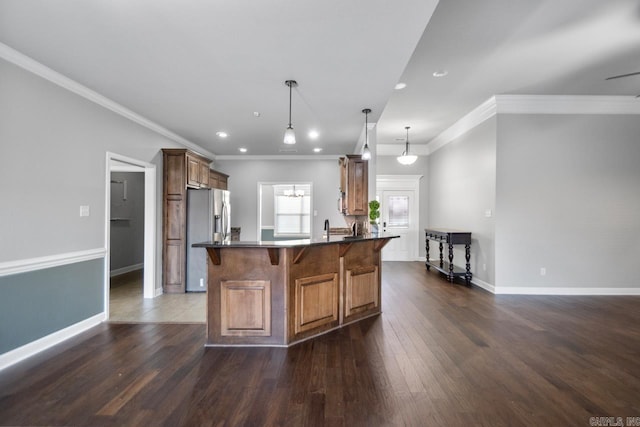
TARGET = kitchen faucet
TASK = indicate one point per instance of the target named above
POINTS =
(327, 228)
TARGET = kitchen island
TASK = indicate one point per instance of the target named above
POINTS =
(278, 293)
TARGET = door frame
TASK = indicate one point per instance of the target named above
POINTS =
(404, 183)
(119, 163)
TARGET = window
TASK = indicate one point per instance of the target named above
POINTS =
(398, 211)
(292, 209)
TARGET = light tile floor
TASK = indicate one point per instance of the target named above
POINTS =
(127, 304)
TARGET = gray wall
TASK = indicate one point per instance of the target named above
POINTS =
(38, 303)
(388, 165)
(267, 219)
(127, 236)
(568, 199)
(244, 176)
(52, 160)
(462, 187)
(53, 146)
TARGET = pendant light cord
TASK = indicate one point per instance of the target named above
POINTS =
(406, 148)
(289, 84)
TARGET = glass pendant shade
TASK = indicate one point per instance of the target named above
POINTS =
(289, 136)
(366, 153)
(406, 158)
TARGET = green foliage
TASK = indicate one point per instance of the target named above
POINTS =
(374, 212)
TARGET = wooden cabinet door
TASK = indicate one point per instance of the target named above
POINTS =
(316, 301)
(213, 180)
(222, 182)
(357, 186)
(193, 172)
(361, 291)
(203, 175)
(245, 308)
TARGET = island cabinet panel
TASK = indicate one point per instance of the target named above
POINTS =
(245, 297)
(314, 290)
(283, 293)
(361, 290)
(361, 281)
(316, 301)
(245, 308)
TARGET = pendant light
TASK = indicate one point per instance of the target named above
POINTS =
(366, 153)
(289, 135)
(406, 158)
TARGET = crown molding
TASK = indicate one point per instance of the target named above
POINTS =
(566, 104)
(23, 61)
(535, 104)
(477, 116)
(279, 157)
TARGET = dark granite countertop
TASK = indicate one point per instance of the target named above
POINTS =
(292, 243)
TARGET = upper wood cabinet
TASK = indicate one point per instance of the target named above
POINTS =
(182, 169)
(354, 185)
(197, 170)
(218, 180)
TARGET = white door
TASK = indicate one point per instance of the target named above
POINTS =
(398, 217)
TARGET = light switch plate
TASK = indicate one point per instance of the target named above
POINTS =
(84, 210)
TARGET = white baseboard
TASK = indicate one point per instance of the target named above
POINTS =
(127, 269)
(484, 285)
(158, 292)
(14, 356)
(517, 290)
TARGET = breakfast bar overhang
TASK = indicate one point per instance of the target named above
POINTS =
(278, 293)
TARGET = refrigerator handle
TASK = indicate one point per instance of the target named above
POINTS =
(225, 221)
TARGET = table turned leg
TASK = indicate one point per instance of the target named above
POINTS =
(441, 256)
(467, 255)
(426, 247)
(451, 262)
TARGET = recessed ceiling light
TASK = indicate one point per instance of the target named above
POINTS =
(242, 149)
(317, 150)
(400, 86)
(313, 134)
(440, 73)
(256, 114)
(222, 134)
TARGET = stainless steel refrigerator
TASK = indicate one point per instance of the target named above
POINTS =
(208, 218)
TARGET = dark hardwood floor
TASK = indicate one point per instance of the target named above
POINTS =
(438, 355)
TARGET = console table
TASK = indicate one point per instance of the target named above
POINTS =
(450, 238)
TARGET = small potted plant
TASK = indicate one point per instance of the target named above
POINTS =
(374, 214)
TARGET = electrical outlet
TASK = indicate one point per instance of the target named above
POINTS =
(84, 210)
(543, 271)
(201, 282)
(488, 213)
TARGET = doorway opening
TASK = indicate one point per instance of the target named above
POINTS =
(130, 216)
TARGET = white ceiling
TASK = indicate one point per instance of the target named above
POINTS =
(197, 67)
